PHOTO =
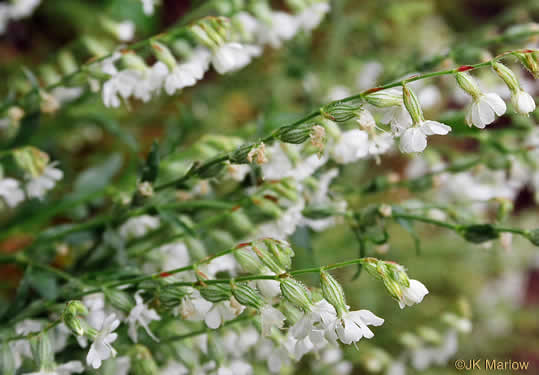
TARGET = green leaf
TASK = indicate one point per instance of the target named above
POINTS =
(99, 176)
(151, 168)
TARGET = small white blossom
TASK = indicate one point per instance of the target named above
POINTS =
(140, 314)
(310, 17)
(148, 6)
(282, 27)
(271, 317)
(230, 57)
(11, 192)
(352, 326)
(236, 367)
(223, 311)
(37, 187)
(101, 349)
(413, 294)
(138, 226)
(351, 146)
(414, 139)
(484, 109)
(194, 307)
(523, 102)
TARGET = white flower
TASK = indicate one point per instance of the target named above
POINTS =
(124, 31)
(174, 368)
(380, 143)
(352, 145)
(282, 27)
(119, 85)
(101, 349)
(151, 81)
(141, 314)
(271, 317)
(181, 76)
(138, 226)
(230, 57)
(352, 326)
(310, 17)
(148, 6)
(236, 367)
(397, 368)
(523, 102)
(37, 187)
(65, 369)
(223, 311)
(11, 192)
(484, 109)
(23, 8)
(413, 294)
(268, 288)
(175, 255)
(194, 307)
(414, 139)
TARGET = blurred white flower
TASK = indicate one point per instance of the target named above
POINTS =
(11, 191)
(38, 186)
(351, 146)
(140, 314)
(138, 226)
(223, 311)
(101, 348)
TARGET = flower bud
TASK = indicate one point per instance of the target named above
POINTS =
(142, 362)
(296, 293)
(268, 207)
(241, 221)
(145, 189)
(468, 84)
(95, 47)
(247, 296)
(295, 134)
(67, 62)
(216, 292)
(119, 299)
(123, 31)
(71, 314)
(533, 236)
(239, 156)
(163, 54)
(42, 351)
(258, 154)
(339, 112)
(281, 250)
(211, 170)
(267, 256)
(430, 335)
(393, 288)
(31, 160)
(411, 102)
(248, 260)
(171, 296)
(133, 61)
(507, 75)
(479, 233)
(384, 98)
(529, 60)
(333, 292)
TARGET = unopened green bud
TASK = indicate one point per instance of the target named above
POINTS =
(240, 155)
(282, 251)
(142, 362)
(134, 62)
(430, 335)
(530, 61)
(296, 293)
(42, 351)
(507, 75)
(533, 236)
(285, 191)
(339, 112)
(397, 273)
(267, 256)
(393, 288)
(171, 296)
(247, 296)
(95, 47)
(468, 84)
(67, 62)
(411, 102)
(479, 233)
(119, 299)
(241, 221)
(268, 207)
(247, 259)
(375, 268)
(333, 292)
(211, 170)
(295, 134)
(384, 98)
(163, 54)
(71, 314)
(216, 292)
(31, 160)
